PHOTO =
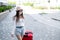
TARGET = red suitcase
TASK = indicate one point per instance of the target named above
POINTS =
(28, 35)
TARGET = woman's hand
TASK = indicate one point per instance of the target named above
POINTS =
(12, 35)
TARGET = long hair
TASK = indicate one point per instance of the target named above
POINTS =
(18, 16)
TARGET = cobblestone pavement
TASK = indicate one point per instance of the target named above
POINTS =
(40, 30)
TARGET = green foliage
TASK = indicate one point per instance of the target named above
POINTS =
(39, 7)
(4, 8)
(28, 4)
(55, 7)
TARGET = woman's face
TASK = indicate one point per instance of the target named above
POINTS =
(20, 12)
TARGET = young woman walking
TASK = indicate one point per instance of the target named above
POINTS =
(19, 22)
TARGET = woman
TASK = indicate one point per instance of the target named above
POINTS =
(19, 21)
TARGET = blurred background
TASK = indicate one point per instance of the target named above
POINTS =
(42, 17)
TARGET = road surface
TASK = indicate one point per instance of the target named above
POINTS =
(40, 30)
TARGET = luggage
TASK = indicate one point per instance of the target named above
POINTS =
(28, 35)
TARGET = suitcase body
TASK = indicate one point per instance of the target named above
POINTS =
(28, 35)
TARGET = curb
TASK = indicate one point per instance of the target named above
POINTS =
(4, 14)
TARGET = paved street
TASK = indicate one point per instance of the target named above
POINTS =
(48, 19)
(41, 31)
